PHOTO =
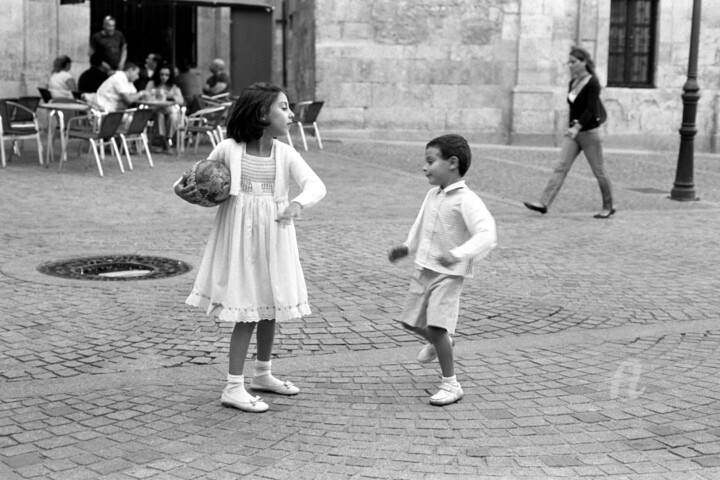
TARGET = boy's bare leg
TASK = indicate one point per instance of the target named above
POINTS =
(420, 331)
(440, 339)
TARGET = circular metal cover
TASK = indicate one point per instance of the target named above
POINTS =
(108, 268)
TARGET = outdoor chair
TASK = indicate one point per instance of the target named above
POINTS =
(207, 121)
(25, 117)
(45, 95)
(306, 114)
(219, 99)
(137, 132)
(105, 131)
(10, 131)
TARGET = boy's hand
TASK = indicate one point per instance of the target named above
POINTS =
(398, 252)
(447, 259)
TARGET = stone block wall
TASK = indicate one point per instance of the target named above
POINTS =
(650, 118)
(34, 32)
(496, 70)
(399, 69)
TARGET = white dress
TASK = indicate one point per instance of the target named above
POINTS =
(251, 267)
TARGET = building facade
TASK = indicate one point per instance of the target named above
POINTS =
(493, 70)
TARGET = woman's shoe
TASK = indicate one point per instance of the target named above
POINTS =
(609, 214)
(536, 207)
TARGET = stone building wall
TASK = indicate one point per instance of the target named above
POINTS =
(399, 69)
(33, 33)
(495, 70)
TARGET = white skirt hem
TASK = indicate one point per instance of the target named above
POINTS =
(247, 315)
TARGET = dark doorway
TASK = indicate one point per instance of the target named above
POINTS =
(169, 29)
(250, 46)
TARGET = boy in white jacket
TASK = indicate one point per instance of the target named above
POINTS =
(453, 228)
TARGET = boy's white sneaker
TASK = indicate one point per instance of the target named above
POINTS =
(428, 352)
(447, 394)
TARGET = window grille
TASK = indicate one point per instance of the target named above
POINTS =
(633, 29)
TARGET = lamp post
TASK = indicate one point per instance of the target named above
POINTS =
(684, 186)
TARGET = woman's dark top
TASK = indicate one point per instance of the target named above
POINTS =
(587, 108)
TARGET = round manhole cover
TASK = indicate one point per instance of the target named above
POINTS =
(115, 268)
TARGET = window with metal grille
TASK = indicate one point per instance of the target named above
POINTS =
(633, 28)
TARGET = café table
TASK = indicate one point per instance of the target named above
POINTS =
(155, 104)
(58, 109)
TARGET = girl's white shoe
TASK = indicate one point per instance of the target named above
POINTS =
(268, 383)
(238, 397)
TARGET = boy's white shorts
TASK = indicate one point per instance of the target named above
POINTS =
(433, 300)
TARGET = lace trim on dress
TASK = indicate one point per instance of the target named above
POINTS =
(230, 314)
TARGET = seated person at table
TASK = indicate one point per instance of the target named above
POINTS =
(219, 81)
(152, 62)
(91, 79)
(191, 86)
(118, 91)
(162, 87)
(61, 83)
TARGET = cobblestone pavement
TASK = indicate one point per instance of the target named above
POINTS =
(586, 348)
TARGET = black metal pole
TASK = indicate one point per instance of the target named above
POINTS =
(684, 186)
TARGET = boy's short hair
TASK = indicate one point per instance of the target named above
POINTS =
(452, 145)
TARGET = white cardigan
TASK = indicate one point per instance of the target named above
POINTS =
(288, 160)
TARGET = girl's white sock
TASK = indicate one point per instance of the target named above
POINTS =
(450, 381)
(262, 368)
(235, 383)
(263, 375)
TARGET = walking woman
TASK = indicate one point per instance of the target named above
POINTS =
(587, 113)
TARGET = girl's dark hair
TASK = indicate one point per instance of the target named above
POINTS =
(583, 55)
(247, 118)
(452, 145)
(61, 63)
(156, 75)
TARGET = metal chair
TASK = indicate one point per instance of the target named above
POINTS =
(137, 132)
(25, 117)
(107, 129)
(306, 114)
(45, 94)
(9, 131)
(207, 121)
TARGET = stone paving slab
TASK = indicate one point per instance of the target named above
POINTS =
(587, 349)
(562, 409)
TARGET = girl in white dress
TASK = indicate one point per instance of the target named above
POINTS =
(250, 273)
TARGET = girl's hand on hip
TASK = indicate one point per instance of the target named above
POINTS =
(293, 211)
